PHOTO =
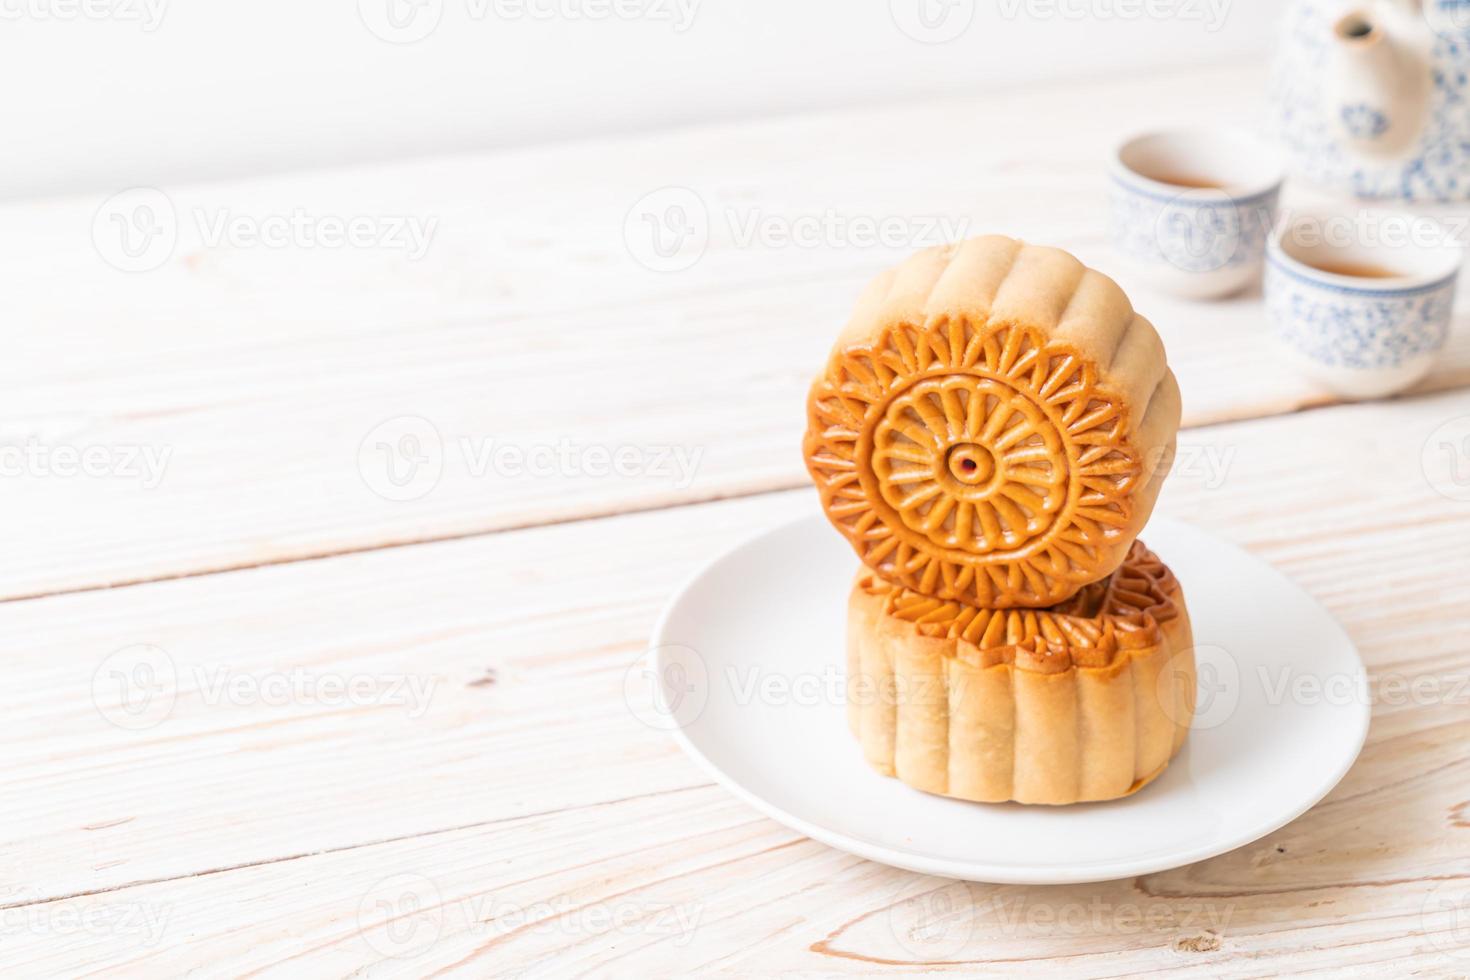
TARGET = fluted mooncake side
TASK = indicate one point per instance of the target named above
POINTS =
(1088, 701)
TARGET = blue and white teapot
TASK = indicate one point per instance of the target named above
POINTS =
(1372, 97)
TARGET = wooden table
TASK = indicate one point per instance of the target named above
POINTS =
(281, 701)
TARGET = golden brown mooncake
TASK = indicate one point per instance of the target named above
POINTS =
(1088, 701)
(993, 424)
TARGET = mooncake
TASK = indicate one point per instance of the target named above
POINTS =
(1087, 701)
(993, 425)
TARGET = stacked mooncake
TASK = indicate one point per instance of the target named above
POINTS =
(990, 434)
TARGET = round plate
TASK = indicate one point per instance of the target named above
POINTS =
(749, 662)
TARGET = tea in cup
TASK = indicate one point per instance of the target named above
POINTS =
(1191, 209)
(1361, 301)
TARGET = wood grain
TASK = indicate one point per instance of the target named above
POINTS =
(525, 820)
(261, 374)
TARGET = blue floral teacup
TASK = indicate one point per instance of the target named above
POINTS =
(1191, 209)
(1361, 301)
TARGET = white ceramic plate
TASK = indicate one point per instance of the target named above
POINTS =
(748, 663)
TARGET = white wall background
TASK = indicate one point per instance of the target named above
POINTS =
(106, 94)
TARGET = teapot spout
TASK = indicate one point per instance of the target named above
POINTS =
(1379, 83)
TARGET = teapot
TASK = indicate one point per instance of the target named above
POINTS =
(1371, 97)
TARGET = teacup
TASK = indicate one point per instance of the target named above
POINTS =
(1357, 306)
(1191, 209)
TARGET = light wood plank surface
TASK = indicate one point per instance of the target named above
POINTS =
(258, 377)
(521, 820)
